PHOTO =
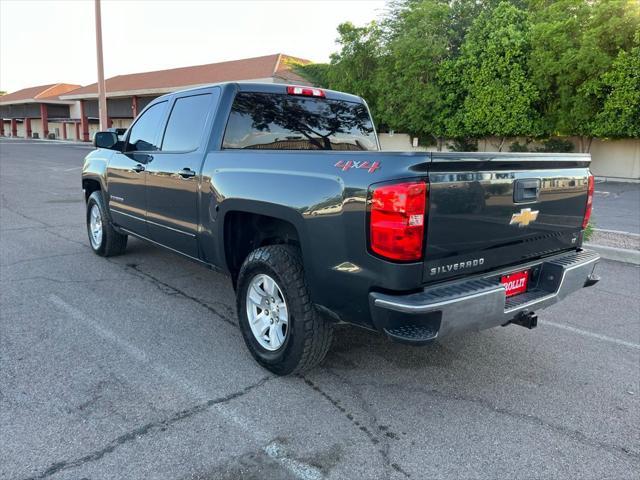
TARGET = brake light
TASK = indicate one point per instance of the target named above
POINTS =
(305, 91)
(587, 212)
(397, 220)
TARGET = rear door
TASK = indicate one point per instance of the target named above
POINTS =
(126, 172)
(492, 210)
(174, 175)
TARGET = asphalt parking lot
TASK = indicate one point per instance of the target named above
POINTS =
(618, 206)
(133, 367)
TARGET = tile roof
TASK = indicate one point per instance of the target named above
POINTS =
(50, 91)
(162, 81)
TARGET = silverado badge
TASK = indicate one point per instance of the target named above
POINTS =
(525, 217)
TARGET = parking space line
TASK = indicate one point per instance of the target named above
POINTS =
(589, 334)
(130, 349)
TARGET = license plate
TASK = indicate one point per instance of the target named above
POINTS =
(515, 283)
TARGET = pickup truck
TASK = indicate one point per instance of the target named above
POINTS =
(286, 190)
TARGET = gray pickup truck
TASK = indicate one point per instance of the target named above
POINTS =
(285, 189)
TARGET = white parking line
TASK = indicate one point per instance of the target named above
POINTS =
(589, 334)
(130, 349)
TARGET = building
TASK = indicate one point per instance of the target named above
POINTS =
(127, 95)
(38, 112)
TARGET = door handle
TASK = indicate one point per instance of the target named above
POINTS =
(138, 168)
(187, 173)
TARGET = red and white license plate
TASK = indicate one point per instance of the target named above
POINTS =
(515, 283)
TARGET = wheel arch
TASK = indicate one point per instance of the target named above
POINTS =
(245, 226)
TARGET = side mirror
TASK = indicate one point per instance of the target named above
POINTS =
(105, 140)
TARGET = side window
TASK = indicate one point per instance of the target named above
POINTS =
(145, 131)
(186, 122)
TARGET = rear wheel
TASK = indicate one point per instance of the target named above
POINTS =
(281, 327)
(103, 238)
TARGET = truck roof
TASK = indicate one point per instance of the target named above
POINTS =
(263, 87)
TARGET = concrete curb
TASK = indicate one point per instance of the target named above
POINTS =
(618, 254)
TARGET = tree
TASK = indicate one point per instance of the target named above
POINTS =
(620, 115)
(417, 42)
(316, 73)
(499, 98)
(574, 43)
(473, 68)
(355, 66)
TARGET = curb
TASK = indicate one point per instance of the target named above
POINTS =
(618, 254)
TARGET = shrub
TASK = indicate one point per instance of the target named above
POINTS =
(518, 147)
(556, 145)
(464, 145)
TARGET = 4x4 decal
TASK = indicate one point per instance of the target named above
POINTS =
(349, 164)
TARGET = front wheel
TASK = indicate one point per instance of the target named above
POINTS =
(103, 238)
(281, 327)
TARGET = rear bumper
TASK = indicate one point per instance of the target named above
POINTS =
(479, 302)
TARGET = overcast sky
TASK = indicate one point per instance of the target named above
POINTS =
(50, 41)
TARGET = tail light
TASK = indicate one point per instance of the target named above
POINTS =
(587, 212)
(397, 220)
(305, 91)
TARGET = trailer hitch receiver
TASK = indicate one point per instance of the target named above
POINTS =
(526, 319)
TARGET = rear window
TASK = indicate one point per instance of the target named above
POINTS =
(286, 122)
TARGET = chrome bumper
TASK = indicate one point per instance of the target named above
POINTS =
(480, 302)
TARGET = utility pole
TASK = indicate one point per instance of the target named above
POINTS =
(102, 93)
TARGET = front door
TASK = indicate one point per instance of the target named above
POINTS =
(174, 174)
(126, 179)
(126, 173)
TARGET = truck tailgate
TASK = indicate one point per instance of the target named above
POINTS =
(492, 210)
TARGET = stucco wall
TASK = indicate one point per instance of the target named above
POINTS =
(36, 127)
(122, 122)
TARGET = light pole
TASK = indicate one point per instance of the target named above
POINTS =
(102, 94)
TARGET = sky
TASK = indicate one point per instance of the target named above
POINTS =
(51, 41)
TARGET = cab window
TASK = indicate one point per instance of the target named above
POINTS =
(145, 132)
(186, 123)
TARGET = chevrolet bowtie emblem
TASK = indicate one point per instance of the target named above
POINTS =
(524, 218)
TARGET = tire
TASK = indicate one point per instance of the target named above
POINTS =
(308, 335)
(108, 242)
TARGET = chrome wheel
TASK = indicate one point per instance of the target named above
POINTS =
(267, 312)
(95, 227)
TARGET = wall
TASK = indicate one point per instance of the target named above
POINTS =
(93, 128)
(122, 122)
(616, 158)
(74, 110)
(610, 158)
(52, 129)
(71, 131)
(36, 127)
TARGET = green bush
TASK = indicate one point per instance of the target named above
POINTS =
(464, 145)
(588, 232)
(556, 145)
(518, 147)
